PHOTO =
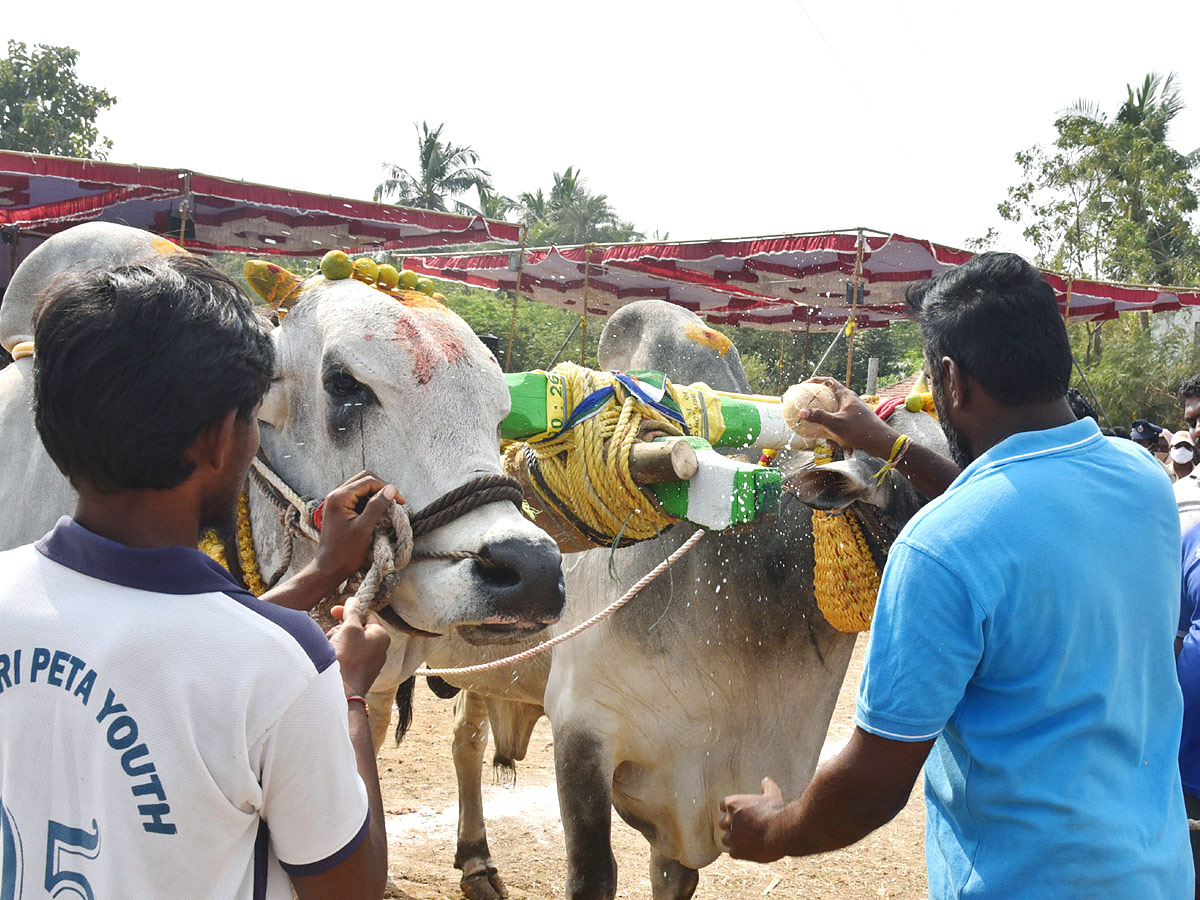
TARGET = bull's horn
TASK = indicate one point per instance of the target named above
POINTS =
(276, 285)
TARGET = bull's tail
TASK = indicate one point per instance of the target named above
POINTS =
(404, 707)
(441, 688)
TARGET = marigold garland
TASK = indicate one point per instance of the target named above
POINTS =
(845, 579)
(215, 549)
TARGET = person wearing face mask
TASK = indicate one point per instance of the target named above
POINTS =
(1181, 458)
(1187, 487)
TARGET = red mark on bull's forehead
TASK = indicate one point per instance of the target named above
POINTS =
(432, 340)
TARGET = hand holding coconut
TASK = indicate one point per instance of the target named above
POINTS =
(826, 408)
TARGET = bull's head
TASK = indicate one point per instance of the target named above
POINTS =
(396, 383)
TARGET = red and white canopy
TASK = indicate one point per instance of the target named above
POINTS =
(792, 282)
(41, 195)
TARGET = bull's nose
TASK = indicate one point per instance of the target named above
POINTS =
(524, 578)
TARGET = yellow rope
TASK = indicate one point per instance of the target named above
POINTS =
(586, 469)
(215, 549)
(845, 579)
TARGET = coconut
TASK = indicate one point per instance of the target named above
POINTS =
(809, 395)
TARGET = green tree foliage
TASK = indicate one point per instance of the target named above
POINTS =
(444, 172)
(572, 214)
(1111, 198)
(542, 331)
(45, 108)
(897, 348)
(1139, 372)
(491, 205)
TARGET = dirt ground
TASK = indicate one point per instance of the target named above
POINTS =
(526, 837)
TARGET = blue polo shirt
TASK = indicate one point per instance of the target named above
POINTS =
(1026, 620)
(1189, 662)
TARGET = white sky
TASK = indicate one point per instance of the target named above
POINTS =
(697, 118)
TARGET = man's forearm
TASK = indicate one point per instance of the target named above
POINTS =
(927, 470)
(364, 755)
(838, 808)
(304, 590)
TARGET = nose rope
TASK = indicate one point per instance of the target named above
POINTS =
(391, 547)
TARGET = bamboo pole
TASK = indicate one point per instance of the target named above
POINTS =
(782, 349)
(852, 324)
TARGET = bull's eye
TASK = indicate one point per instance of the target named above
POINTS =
(341, 385)
(349, 401)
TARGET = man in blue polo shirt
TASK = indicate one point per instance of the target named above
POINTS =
(1021, 649)
(1188, 667)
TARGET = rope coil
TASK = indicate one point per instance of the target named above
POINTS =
(582, 472)
(391, 546)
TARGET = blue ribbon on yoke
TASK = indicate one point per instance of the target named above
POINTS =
(594, 402)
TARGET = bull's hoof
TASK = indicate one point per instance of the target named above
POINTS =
(484, 886)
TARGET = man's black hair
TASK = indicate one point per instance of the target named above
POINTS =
(132, 362)
(1189, 388)
(997, 318)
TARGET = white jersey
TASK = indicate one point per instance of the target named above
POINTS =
(162, 732)
(1187, 498)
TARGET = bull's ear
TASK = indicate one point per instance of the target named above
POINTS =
(274, 409)
(276, 285)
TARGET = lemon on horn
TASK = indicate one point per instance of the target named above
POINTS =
(388, 276)
(409, 279)
(366, 269)
(425, 285)
(336, 265)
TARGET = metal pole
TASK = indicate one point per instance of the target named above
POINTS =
(562, 346)
(183, 208)
(837, 334)
(587, 272)
(1095, 399)
(512, 325)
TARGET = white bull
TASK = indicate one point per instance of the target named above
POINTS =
(716, 675)
(365, 381)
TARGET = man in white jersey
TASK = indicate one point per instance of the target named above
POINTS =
(1187, 488)
(163, 733)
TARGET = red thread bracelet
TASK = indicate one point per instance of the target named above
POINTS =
(362, 700)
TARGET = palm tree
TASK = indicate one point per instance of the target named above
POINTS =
(571, 214)
(445, 171)
(1153, 105)
(491, 205)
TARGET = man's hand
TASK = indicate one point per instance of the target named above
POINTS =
(345, 541)
(853, 424)
(345, 531)
(746, 822)
(361, 645)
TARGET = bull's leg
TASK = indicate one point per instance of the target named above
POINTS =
(480, 881)
(671, 879)
(583, 769)
(379, 706)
